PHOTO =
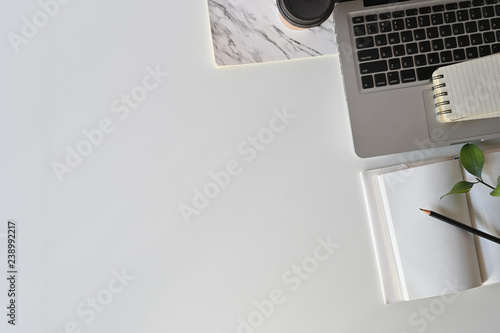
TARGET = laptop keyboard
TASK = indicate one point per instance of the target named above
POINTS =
(402, 46)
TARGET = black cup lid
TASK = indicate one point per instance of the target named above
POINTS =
(305, 13)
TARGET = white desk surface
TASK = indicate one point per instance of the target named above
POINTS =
(250, 261)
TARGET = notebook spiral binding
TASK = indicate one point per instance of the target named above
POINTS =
(440, 93)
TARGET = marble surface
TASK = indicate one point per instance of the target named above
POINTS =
(245, 32)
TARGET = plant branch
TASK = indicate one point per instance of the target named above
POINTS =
(481, 181)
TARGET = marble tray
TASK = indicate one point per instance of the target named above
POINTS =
(246, 32)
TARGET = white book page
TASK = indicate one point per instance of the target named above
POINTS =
(485, 211)
(431, 255)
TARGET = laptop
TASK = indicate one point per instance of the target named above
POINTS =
(388, 52)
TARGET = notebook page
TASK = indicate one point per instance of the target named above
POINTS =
(430, 254)
(473, 88)
(485, 211)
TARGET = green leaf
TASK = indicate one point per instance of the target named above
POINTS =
(496, 191)
(460, 187)
(472, 159)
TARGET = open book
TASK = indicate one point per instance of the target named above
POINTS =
(419, 256)
(468, 90)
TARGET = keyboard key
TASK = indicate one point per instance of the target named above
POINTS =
(462, 15)
(464, 4)
(450, 17)
(475, 13)
(381, 40)
(497, 10)
(393, 78)
(450, 42)
(394, 38)
(411, 12)
(458, 55)
(411, 22)
(398, 24)
(398, 50)
(437, 19)
(407, 62)
(432, 32)
(359, 30)
(411, 48)
(458, 29)
(488, 11)
(364, 42)
(367, 81)
(394, 64)
(498, 35)
(420, 60)
(386, 52)
(471, 53)
(491, 2)
(366, 55)
(484, 50)
(495, 48)
(370, 18)
(384, 16)
(483, 25)
(419, 34)
(372, 28)
(489, 37)
(406, 36)
(373, 67)
(398, 13)
(495, 23)
(477, 3)
(438, 8)
(358, 19)
(385, 26)
(425, 73)
(463, 41)
(470, 27)
(445, 31)
(424, 46)
(437, 45)
(424, 21)
(433, 58)
(408, 75)
(424, 10)
(476, 39)
(445, 56)
(380, 80)
(451, 6)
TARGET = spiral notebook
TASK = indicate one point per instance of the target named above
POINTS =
(468, 90)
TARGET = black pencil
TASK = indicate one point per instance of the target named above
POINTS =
(461, 225)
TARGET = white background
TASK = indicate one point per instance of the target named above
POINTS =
(119, 209)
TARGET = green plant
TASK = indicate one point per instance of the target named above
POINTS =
(472, 160)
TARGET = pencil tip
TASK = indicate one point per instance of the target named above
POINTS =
(426, 211)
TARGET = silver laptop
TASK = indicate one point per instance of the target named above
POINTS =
(388, 52)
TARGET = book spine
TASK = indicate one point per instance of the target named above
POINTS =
(442, 102)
